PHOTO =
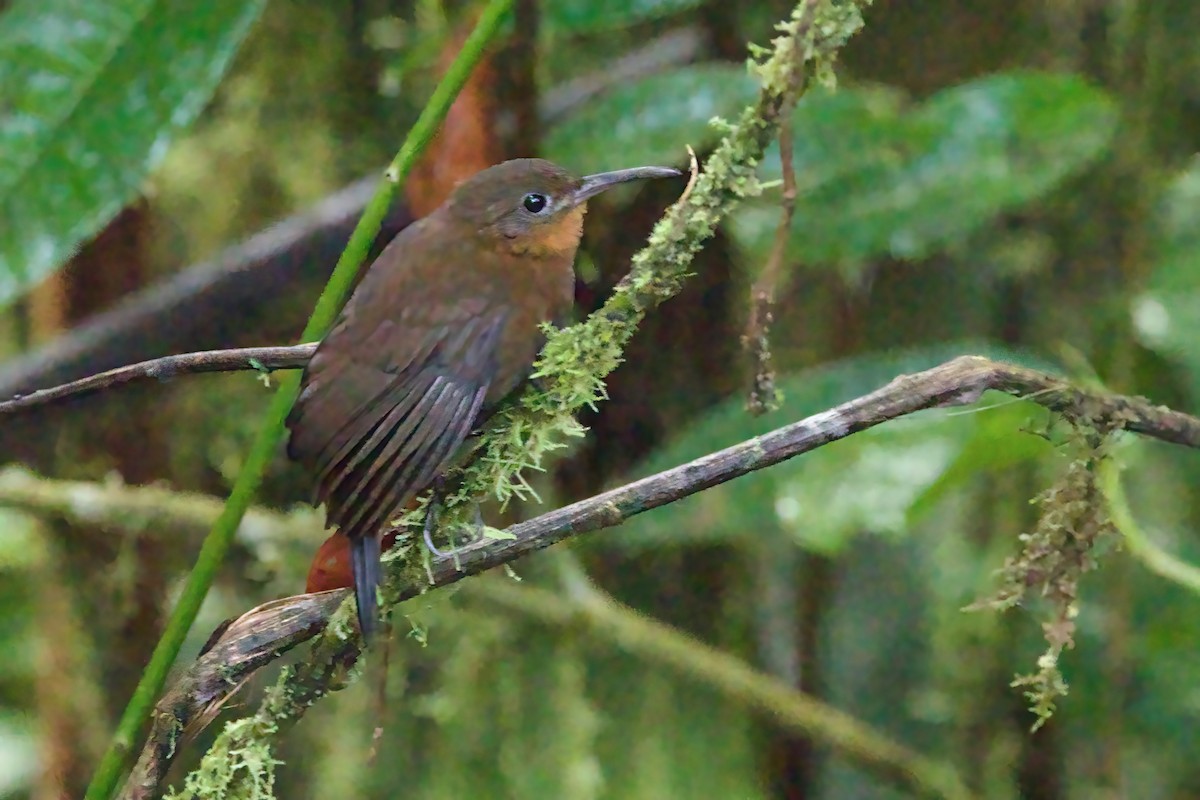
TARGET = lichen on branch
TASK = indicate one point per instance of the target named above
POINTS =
(1071, 530)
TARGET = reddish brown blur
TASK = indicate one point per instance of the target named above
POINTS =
(331, 568)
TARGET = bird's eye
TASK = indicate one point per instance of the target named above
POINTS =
(535, 203)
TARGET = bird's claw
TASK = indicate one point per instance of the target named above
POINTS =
(431, 522)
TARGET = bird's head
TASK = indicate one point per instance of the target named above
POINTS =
(535, 207)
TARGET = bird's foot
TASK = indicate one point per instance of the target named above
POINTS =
(431, 522)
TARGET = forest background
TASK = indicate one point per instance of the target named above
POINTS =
(1017, 180)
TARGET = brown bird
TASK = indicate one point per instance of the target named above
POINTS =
(442, 328)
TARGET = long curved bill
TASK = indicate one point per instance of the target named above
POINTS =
(593, 185)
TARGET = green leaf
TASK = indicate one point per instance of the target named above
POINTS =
(92, 94)
(1007, 433)
(874, 178)
(867, 484)
(877, 480)
(649, 121)
(595, 16)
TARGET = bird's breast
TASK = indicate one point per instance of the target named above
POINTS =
(538, 291)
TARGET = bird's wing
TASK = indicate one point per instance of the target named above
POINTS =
(387, 402)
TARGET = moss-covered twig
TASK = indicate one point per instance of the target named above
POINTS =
(1054, 557)
(575, 360)
(242, 646)
(764, 395)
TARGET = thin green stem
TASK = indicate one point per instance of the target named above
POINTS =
(216, 544)
(1141, 546)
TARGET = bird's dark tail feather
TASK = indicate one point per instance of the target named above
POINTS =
(365, 560)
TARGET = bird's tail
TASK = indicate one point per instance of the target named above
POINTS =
(365, 561)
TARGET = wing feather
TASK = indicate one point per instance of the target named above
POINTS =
(404, 412)
(414, 464)
(377, 428)
(408, 444)
(456, 434)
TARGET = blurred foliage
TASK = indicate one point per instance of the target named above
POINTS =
(648, 121)
(999, 184)
(18, 757)
(877, 178)
(592, 17)
(1166, 316)
(82, 118)
(264, 149)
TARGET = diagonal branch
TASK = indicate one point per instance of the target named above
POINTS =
(266, 632)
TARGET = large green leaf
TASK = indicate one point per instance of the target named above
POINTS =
(873, 481)
(649, 121)
(90, 96)
(875, 178)
(593, 16)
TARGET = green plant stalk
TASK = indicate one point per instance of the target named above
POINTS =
(1141, 547)
(1108, 480)
(216, 544)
